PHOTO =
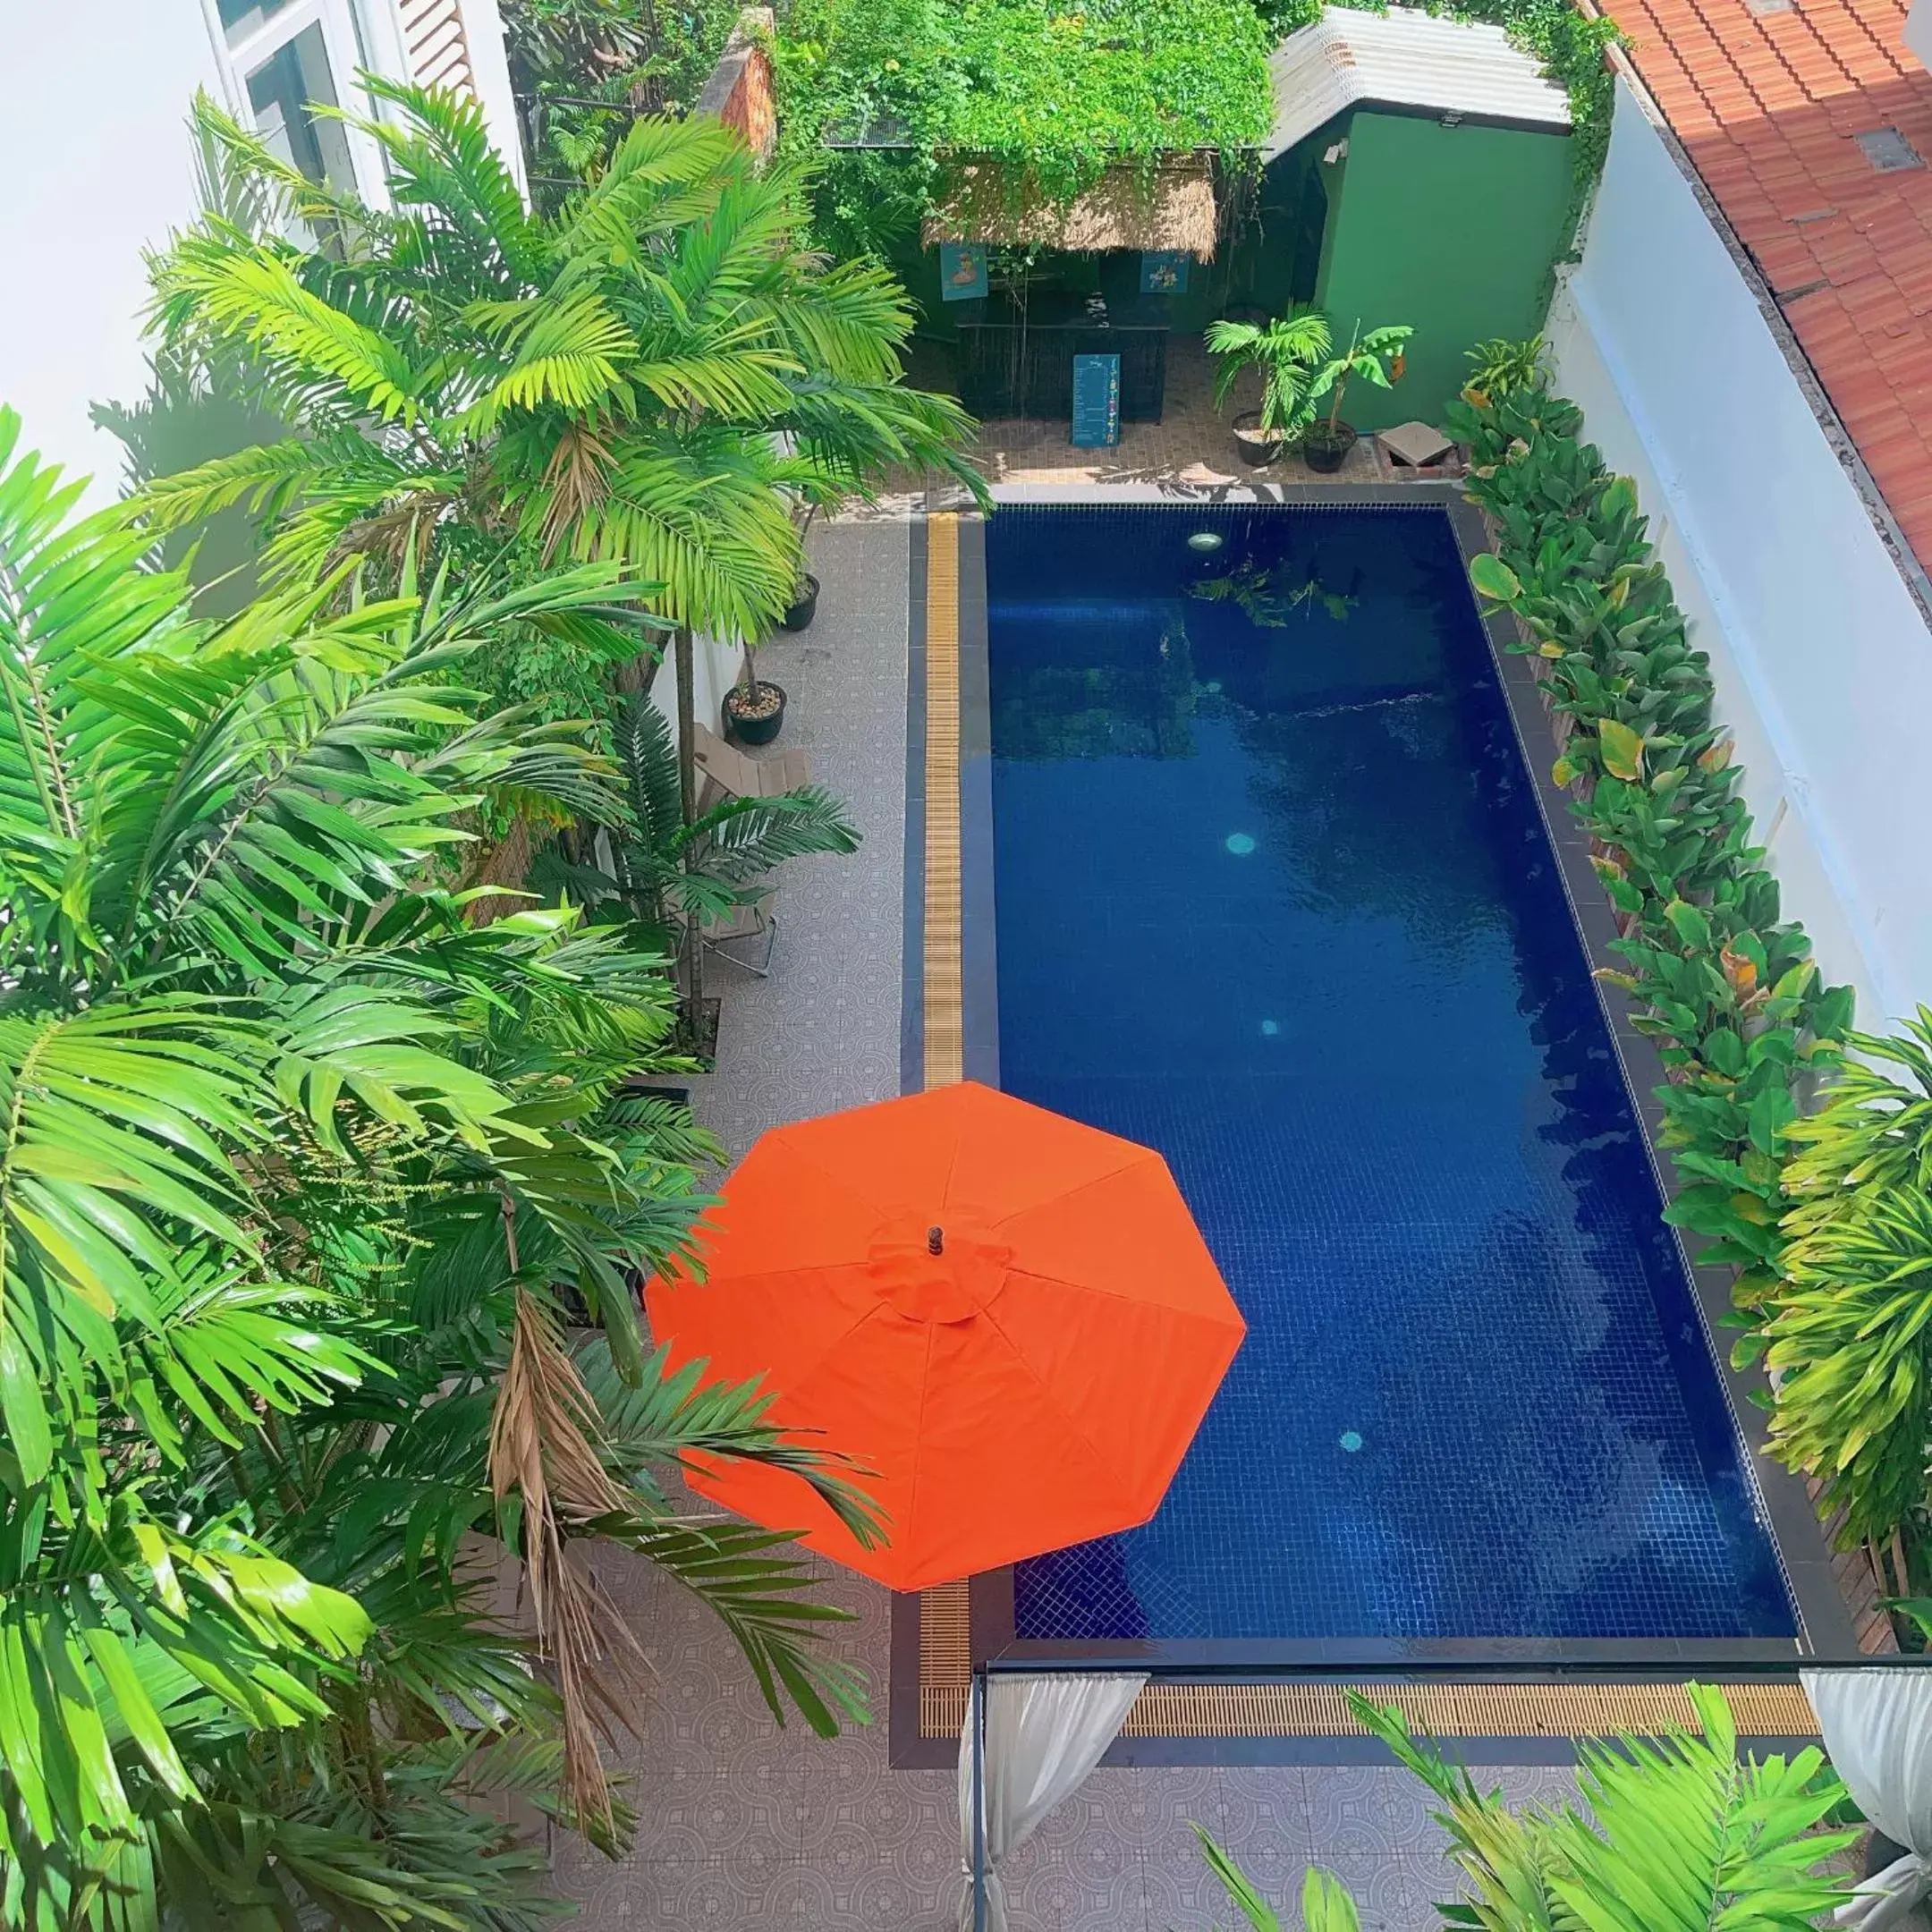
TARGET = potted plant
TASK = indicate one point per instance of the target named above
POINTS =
(754, 707)
(1287, 351)
(1377, 357)
(804, 605)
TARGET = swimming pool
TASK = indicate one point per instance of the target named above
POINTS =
(1274, 896)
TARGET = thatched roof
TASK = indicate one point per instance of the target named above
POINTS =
(1173, 209)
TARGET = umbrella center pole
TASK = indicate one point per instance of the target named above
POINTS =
(934, 1240)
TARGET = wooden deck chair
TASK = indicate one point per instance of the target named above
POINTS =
(724, 771)
(746, 935)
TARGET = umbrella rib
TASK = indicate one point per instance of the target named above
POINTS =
(1115, 1294)
(1137, 1155)
(792, 1375)
(796, 1144)
(919, 1433)
(1047, 1389)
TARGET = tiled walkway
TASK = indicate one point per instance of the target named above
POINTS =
(744, 1826)
(1191, 449)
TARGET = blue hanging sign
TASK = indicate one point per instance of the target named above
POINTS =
(1163, 271)
(963, 270)
(1095, 402)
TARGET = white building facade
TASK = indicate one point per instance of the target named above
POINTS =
(100, 166)
(1781, 552)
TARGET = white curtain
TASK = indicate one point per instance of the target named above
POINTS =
(1042, 1736)
(1877, 1730)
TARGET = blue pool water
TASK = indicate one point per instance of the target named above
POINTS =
(1274, 898)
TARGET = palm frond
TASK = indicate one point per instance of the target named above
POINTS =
(744, 838)
(254, 296)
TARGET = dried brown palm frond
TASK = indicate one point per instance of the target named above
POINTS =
(578, 477)
(395, 539)
(542, 1447)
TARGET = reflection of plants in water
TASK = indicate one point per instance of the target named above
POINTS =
(1101, 703)
(1374, 797)
(1269, 598)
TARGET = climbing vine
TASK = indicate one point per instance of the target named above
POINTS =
(1058, 90)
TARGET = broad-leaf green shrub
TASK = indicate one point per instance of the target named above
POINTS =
(1724, 985)
(1850, 1334)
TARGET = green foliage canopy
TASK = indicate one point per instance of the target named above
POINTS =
(648, 377)
(1849, 1333)
(583, 69)
(1673, 1834)
(296, 1168)
(1056, 93)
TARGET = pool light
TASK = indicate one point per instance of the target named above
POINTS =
(1206, 541)
(1271, 1028)
(1352, 1440)
(1240, 843)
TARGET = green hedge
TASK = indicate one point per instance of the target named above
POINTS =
(1725, 985)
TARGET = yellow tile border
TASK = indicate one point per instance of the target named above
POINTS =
(1318, 1708)
(944, 1004)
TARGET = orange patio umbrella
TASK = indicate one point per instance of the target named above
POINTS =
(1009, 1317)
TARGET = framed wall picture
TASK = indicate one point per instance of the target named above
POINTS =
(1163, 271)
(963, 270)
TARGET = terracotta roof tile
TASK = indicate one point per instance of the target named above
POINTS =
(1768, 107)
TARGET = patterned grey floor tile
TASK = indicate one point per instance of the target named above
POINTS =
(1264, 1805)
(1371, 1811)
(1394, 1894)
(718, 1895)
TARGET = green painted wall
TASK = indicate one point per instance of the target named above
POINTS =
(1450, 229)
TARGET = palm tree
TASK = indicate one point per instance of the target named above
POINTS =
(1845, 1339)
(653, 374)
(1287, 350)
(294, 1166)
(668, 873)
(1675, 1835)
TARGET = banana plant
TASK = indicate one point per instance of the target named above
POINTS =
(1288, 351)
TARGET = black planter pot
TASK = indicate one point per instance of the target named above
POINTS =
(754, 729)
(1326, 450)
(1258, 447)
(804, 609)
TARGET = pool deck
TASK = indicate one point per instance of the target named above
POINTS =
(743, 1825)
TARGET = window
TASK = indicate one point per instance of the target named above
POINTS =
(287, 58)
(241, 18)
(281, 91)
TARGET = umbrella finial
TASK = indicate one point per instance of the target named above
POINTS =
(934, 1240)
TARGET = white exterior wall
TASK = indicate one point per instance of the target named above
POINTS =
(1822, 660)
(715, 669)
(489, 69)
(96, 165)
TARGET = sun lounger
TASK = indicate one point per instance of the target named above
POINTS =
(724, 771)
(746, 935)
